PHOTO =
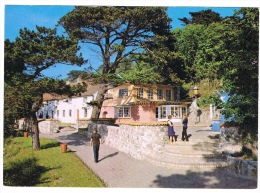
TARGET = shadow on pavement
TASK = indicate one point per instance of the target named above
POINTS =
(206, 179)
(108, 156)
(73, 139)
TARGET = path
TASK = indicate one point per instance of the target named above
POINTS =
(118, 169)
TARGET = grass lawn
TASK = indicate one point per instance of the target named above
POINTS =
(45, 168)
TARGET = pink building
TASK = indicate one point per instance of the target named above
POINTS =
(133, 103)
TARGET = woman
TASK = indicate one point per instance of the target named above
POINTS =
(170, 130)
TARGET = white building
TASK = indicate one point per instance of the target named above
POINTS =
(68, 110)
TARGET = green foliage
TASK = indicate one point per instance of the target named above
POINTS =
(241, 75)
(201, 50)
(187, 45)
(74, 74)
(38, 50)
(46, 168)
(204, 17)
(206, 100)
(141, 74)
(94, 103)
(116, 32)
(226, 51)
(25, 59)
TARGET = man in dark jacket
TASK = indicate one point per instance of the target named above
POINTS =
(185, 126)
(95, 141)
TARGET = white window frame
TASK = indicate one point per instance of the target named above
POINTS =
(168, 95)
(123, 113)
(177, 111)
(150, 93)
(161, 112)
(140, 93)
(123, 93)
(160, 94)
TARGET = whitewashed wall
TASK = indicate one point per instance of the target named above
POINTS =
(55, 108)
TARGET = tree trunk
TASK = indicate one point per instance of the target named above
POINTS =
(35, 131)
(100, 98)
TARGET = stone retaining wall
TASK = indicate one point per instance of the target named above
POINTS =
(230, 140)
(203, 118)
(242, 168)
(83, 123)
(139, 141)
(230, 144)
(136, 141)
(48, 126)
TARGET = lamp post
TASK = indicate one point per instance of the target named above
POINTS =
(195, 90)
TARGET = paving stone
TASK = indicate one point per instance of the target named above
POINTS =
(118, 169)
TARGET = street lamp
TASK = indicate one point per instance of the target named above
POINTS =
(195, 90)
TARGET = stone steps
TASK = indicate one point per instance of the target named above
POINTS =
(191, 151)
(173, 162)
(200, 151)
(67, 128)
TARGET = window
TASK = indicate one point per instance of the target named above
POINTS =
(160, 94)
(150, 94)
(161, 112)
(168, 95)
(184, 111)
(140, 93)
(63, 112)
(123, 112)
(58, 112)
(177, 111)
(85, 112)
(123, 93)
(70, 113)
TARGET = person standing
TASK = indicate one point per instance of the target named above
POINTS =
(185, 127)
(95, 141)
(170, 129)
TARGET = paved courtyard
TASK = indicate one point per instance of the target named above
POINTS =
(118, 169)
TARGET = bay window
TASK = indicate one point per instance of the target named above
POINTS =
(177, 111)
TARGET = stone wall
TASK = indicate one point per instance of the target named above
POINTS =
(136, 141)
(48, 126)
(242, 168)
(203, 118)
(83, 123)
(230, 144)
(101, 129)
(230, 140)
(23, 124)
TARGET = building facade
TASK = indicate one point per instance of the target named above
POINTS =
(131, 103)
(68, 110)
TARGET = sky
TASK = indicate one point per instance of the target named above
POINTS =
(20, 16)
